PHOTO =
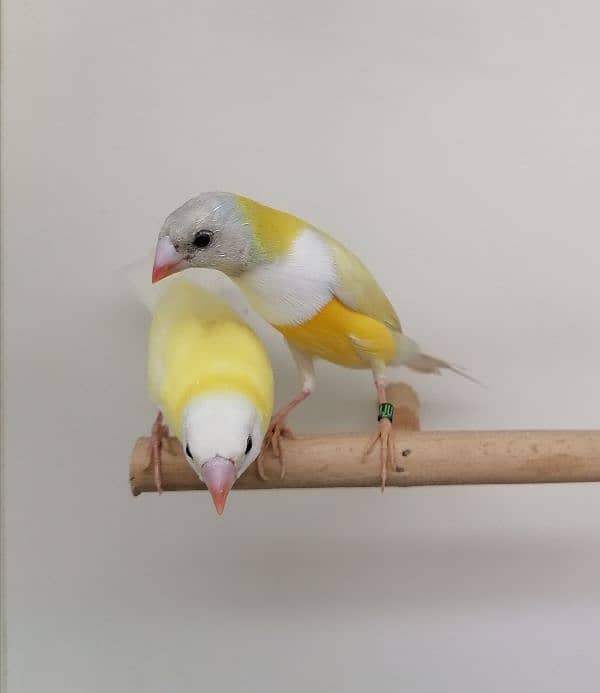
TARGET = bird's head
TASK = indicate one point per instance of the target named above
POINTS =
(210, 231)
(221, 435)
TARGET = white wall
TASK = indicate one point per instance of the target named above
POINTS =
(455, 146)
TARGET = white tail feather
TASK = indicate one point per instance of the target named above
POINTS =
(408, 354)
(137, 277)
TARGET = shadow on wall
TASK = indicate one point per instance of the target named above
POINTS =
(302, 578)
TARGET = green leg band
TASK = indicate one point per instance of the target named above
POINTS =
(386, 411)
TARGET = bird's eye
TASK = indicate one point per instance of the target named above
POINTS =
(202, 238)
(248, 445)
(187, 451)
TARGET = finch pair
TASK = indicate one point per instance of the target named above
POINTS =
(309, 287)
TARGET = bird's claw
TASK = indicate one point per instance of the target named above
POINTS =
(277, 430)
(387, 451)
(159, 434)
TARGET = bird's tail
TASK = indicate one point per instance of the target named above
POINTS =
(410, 355)
(137, 278)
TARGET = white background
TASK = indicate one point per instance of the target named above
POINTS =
(455, 147)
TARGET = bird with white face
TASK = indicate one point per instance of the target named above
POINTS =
(212, 381)
(312, 289)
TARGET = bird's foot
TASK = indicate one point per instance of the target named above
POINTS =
(158, 435)
(277, 430)
(387, 450)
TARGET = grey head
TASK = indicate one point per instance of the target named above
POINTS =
(209, 230)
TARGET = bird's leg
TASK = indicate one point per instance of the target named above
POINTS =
(384, 430)
(159, 433)
(277, 427)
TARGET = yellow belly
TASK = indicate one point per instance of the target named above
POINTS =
(342, 336)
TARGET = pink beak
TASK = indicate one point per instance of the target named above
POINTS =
(219, 476)
(166, 260)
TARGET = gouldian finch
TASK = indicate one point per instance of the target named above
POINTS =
(212, 381)
(312, 289)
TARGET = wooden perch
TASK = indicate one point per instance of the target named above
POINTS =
(423, 458)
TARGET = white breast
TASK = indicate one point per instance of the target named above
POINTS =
(293, 289)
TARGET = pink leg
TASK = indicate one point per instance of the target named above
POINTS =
(384, 433)
(380, 385)
(277, 427)
(158, 434)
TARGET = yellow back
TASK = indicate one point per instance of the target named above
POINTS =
(273, 230)
(197, 345)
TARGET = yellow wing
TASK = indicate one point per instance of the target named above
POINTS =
(357, 289)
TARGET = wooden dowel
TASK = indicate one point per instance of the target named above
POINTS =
(423, 458)
(406, 406)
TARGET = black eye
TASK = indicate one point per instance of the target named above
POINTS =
(248, 445)
(187, 451)
(202, 238)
